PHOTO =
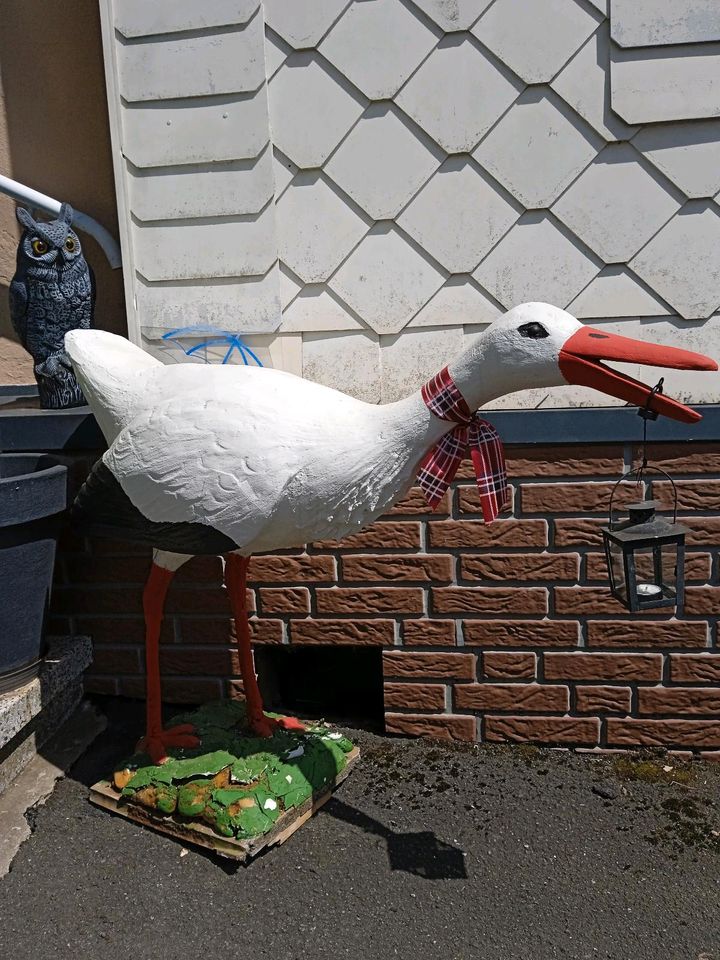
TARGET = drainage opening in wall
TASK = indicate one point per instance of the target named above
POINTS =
(341, 684)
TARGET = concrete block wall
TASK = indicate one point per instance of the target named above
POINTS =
(504, 632)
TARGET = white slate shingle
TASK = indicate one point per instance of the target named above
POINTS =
(283, 172)
(535, 39)
(349, 362)
(584, 84)
(458, 302)
(386, 281)
(316, 229)
(207, 190)
(377, 44)
(653, 23)
(457, 94)
(615, 206)
(309, 112)
(537, 149)
(242, 305)
(652, 85)
(200, 130)
(383, 162)
(617, 292)
(459, 215)
(315, 309)
(169, 67)
(139, 18)
(275, 54)
(682, 263)
(687, 153)
(536, 261)
(302, 23)
(409, 359)
(212, 247)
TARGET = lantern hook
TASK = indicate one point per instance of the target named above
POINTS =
(639, 472)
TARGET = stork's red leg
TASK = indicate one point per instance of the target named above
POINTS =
(236, 581)
(157, 741)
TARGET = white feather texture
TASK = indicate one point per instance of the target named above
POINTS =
(267, 458)
(272, 460)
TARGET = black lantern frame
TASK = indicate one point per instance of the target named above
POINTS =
(644, 537)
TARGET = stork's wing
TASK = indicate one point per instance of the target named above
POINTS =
(219, 462)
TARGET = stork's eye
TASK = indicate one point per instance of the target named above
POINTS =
(535, 331)
(39, 247)
(70, 245)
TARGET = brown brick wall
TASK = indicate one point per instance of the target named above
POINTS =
(504, 632)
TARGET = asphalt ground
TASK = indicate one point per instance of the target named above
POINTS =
(428, 850)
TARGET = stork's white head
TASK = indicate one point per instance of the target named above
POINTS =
(538, 345)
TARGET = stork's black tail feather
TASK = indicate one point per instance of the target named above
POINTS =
(103, 509)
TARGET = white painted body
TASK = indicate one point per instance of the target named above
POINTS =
(272, 460)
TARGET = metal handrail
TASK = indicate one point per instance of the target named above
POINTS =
(40, 201)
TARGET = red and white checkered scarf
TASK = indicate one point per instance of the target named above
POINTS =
(440, 464)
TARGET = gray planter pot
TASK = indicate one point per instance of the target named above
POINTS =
(33, 496)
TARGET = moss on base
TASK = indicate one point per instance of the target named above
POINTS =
(234, 781)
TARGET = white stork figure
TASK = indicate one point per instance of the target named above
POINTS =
(237, 460)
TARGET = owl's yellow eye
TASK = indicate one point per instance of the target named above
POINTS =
(70, 245)
(39, 247)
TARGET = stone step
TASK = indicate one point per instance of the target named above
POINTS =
(31, 714)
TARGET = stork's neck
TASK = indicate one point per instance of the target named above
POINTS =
(478, 376)
(477, 379)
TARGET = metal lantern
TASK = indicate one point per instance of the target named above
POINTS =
(645, 553)
(646, 558)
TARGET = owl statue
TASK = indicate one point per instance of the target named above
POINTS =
(52, 292)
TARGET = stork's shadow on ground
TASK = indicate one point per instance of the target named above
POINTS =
(420, 853)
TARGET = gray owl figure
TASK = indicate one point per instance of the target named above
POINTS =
(52, 292)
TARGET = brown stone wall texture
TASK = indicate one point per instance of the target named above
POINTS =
(498, 633)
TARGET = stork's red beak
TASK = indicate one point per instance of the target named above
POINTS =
(580, 364)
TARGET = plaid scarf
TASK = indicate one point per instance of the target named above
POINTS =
(440, 464)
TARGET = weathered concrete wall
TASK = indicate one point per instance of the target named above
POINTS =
(54, 137)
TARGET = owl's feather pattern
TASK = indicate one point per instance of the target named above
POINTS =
(52, 292)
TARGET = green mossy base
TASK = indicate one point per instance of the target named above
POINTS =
(237, 783)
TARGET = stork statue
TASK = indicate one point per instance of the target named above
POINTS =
(235, 460)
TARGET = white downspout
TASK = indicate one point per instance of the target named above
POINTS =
(40, 201)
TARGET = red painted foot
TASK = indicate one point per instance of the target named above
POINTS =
(157, 745)
(266, 726)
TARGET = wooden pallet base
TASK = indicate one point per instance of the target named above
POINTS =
(103, 794)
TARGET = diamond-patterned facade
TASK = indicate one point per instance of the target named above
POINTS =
(316, 228)
(458, 302)
(453, 15)
(617, 292)
(459, 149)
(536, 150)
(683, 261)
(687, 153)
(457, 94)
(535, 39)
(377, 45)
(309, 112)
(536, 261)
(302, 23)
(615, 206)
(458, 216)
(386, 281)
(382, 163)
